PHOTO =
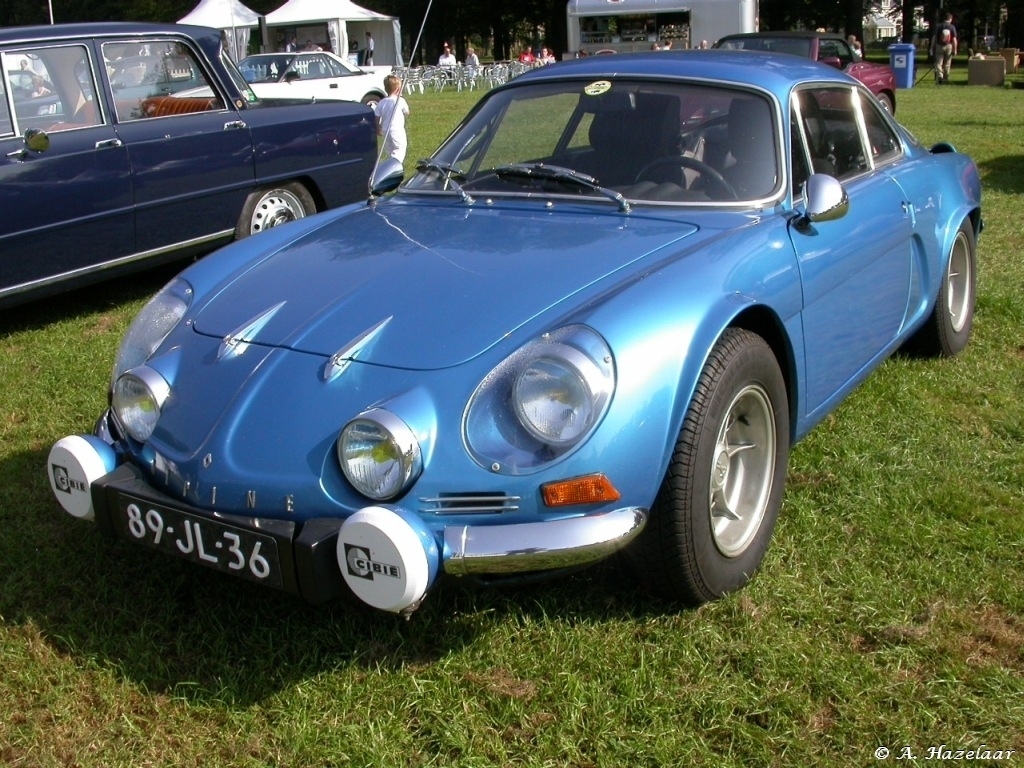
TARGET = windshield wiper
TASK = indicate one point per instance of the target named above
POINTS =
(562, 175)
(452, 176)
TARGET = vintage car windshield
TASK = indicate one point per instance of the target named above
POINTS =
(649, 142)
(795, 46)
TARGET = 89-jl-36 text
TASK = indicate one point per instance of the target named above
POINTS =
(191, 542)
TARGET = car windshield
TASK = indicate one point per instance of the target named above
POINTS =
(795, 46)
(613, 140)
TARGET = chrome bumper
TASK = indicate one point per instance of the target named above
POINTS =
(505, 549)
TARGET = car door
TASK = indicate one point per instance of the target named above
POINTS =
(856, 270)
(190, 152)
(65, 193)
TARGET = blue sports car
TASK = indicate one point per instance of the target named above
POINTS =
(594, 321)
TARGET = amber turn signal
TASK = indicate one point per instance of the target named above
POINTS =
(590, 489)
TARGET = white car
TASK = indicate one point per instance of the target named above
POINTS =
(312, 75)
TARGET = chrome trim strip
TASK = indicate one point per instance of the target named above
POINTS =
(462, 504)
(42, 282)
(503, 549)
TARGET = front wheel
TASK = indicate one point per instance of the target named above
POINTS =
(268, 207)
(714, 514)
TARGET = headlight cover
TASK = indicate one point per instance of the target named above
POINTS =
(151, 326)
(541, 402)
(379, 454)
(137, 399)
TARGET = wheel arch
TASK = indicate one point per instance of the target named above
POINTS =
(765, 323)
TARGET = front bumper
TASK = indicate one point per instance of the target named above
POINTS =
(312, 561)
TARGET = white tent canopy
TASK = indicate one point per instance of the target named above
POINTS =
(229, 15)
(347, 25)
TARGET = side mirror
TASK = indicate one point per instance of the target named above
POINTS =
(386, 177)
(825, 199)
(37, 140)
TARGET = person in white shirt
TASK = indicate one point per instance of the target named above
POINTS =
(368, 53)
(392, 112)
(447, 58)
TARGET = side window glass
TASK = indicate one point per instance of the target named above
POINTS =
(829, 123)
(6, 123)
(800, 170)
(884, 144)
(52, 89)
(157, 78)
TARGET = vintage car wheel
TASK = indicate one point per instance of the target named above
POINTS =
(886, 101)
(714, 514)
(268, 207)
(949, 326)
(712, 177)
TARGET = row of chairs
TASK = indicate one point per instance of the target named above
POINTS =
(432, 78)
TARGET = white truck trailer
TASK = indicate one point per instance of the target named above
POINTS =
(620, 26)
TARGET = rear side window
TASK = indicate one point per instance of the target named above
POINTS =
(157, 78)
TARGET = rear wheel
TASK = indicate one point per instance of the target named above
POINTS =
(714, 514)
(887, 102)
(372, 100)
(268, 207)
(949, 326)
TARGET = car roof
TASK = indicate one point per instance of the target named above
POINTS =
(801, 34)
(48, 32)
(775, 72)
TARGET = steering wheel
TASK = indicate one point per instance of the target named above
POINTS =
(716, 181)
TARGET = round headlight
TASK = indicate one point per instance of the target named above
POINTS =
(379, 454)
(554, 396)
(137, 399)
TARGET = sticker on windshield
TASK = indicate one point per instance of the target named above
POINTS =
(597, 88)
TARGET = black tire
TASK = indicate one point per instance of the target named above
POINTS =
(948, 327)
(729, 462)
(371, 100)
(270, 206)
(887, 102)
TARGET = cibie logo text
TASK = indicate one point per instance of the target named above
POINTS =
(362, 566)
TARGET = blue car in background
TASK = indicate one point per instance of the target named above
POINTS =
(123, 145)
(593, 322)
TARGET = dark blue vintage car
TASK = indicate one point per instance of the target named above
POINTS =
(144, 143)
(594, 320)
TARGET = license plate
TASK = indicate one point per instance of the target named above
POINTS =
(212, 543)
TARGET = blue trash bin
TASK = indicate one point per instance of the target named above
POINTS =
(901, 59)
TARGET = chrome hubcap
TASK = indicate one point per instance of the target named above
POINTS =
(278, 207)
(958, 283)
(741, 474)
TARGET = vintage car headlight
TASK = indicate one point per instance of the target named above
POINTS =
(151, 326)
(554, 397)
(541, 402)
(379, 454)
(136, 400)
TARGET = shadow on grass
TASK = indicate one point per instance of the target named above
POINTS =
(170, 627)
(1004, 174)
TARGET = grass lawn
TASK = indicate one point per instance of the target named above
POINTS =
(889, 610)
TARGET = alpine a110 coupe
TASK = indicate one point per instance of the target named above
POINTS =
(593, 322)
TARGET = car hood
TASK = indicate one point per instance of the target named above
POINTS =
(424, 286)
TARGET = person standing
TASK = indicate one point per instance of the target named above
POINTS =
(944, 48)
(368, 53)
(472, 61)
(392, 112)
